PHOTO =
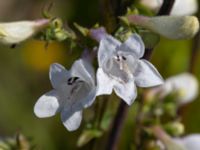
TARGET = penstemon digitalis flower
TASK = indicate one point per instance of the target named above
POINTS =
(180, 8)
(188, 142)
(121, 68)
(73, 91)
(184, 85)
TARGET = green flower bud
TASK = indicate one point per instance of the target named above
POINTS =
(172, 27)
(168, 141)
(175, 128)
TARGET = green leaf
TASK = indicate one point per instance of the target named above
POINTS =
(105, 123)
(83, 30)
(150, 39)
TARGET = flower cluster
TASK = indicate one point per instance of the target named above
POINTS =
(189, 142)
(164, 101)
(120, 68)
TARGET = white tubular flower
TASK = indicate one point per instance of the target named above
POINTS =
(185, 85)
(152, 4)
(190, 142)
(184, 7)
(120, 68)
(16, 32)
(172, 27)
(73, 91)
(180, 8)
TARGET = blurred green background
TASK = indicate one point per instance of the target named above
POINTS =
(24, 74)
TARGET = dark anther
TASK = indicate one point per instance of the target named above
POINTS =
(72, 80)
(76, 78)
(124, 58)
(118, 59)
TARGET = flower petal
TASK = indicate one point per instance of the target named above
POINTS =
(71, 119)
(189, 142)
(47, 105)
(133, 44)
(192, 142)
(146, 75)
(190, 7)
(107, 46)
(186, 86)
(83, 69)
(104, 83)
(57, 74)
(126, 91)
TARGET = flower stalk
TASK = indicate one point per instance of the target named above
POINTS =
(164, 10)
(117, 126)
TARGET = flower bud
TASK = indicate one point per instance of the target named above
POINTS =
(180, 7)
(172, 27)
(184, 86)
(16, 32)
(175, 128)
(98, 34)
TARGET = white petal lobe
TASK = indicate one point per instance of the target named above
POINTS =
(133, 44)
(146, 75)
(126, 91)
(71, 120)
(192, 142)
(104, 83)
(47, 105)
(106, 48)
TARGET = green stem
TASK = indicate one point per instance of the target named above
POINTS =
(117, 126)
(164, 10)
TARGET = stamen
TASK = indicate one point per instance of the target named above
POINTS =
(121, 65)
(118, 58)
(72, 80)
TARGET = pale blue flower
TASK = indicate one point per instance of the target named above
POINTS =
(73, 91)
(121, 68)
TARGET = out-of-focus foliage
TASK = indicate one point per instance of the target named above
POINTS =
(24, 75)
